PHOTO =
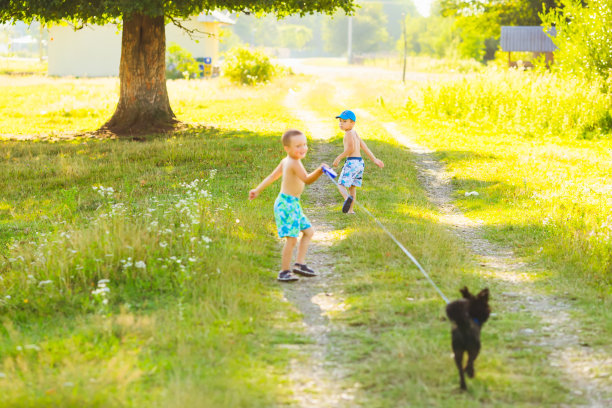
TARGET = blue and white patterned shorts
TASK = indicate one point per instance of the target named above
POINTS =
(289, 217)
(352, 172)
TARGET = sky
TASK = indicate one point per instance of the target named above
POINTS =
(423, 6)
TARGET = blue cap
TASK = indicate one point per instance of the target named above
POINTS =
(347, 114)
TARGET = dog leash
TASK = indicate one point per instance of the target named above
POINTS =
(332, 175)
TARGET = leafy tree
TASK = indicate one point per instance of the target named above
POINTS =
(143, 102)
(584, 37)
(395, 10)
(439, 39)
(369, 32)
(433, 35)
(478, 23)
(503, 12)
(294, 35)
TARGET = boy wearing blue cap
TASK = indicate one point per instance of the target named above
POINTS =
(352, 172)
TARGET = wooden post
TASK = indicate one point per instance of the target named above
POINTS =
(509, 59)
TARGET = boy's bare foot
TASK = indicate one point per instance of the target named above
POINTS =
(347, 204)
(286, 276)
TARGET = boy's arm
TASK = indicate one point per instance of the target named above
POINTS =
(300, 172)
(348, 149)
(369, 153)
(275, 175)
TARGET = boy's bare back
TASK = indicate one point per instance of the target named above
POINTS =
(352, 142)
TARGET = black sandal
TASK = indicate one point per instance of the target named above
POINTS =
(347, 204)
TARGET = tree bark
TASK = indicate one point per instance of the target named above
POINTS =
(143, 105)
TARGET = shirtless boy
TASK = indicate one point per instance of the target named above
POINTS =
(352, 172)
(290, 218)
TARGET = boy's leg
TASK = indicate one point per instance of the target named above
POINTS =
(300, 266)
(343, 191)
(287, 253)
(303, 246)
(353, 193)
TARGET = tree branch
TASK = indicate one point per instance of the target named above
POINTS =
(190, 32)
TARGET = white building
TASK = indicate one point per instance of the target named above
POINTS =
(95, 51)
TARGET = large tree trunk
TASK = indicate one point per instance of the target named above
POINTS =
(143, 105)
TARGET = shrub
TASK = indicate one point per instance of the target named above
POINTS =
(583, 36)
(248, 67)
(180, 63)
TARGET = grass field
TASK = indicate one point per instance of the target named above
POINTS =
(137, 273)
(132, 272)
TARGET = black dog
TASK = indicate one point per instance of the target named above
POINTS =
(467, 316)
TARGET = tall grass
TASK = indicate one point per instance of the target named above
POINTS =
(532, 104)
(536, 146)
(129, 275)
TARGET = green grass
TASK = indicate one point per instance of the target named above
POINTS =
(64, 105)
(394, 336)
(192, 315)
(545, 193)
(18, 67)
(413, 63)
(210, 330)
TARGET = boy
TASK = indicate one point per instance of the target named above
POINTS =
(352, 172)
(290, 218)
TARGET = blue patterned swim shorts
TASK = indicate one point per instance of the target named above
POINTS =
(290, 218)
(352, 172)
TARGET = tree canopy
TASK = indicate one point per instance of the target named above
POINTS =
(144, 106)
(99, 12)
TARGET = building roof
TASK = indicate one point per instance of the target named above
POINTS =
(527, 38)
(215, 16)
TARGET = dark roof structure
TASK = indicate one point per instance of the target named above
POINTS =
(527, 38)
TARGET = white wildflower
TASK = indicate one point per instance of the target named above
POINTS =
(45, 282)
(140, 265)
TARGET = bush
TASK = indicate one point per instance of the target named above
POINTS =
(180, 63)
(583, 36)
(248, 67)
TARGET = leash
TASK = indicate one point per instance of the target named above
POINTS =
(332, 175)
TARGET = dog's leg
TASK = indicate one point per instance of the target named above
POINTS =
(472, 354)
(459, 363)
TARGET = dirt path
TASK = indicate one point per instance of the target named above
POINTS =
(588, 371)
(317, 381)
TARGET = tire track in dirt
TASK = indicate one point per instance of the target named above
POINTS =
(588, 371)
(317, 380)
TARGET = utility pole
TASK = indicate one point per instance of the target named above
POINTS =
(350, 40)
(405, 46)
(40, 41)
